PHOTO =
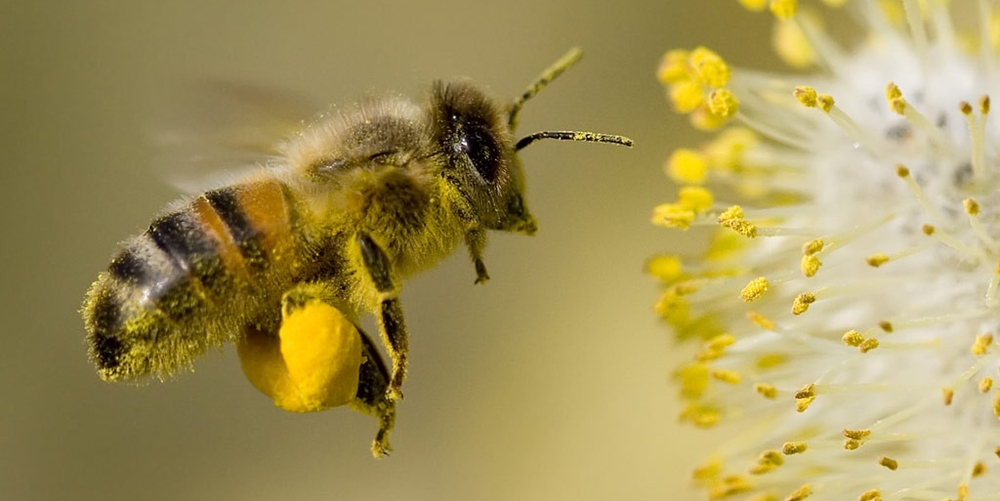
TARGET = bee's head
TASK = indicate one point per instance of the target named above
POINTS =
(472, 133)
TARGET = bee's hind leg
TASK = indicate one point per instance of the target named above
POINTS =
(390, 316)
(372, 397)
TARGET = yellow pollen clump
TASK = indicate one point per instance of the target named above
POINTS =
(754, 290)
(800, 493)
(673, 216)
(673, 66)
(686, 96)
(984, 105)
(790, 448)
(978, 469)
(695, 198)
(733, 218)
(826, 102)
(766, 390)
(965, 108)
(948, 394)
(761, 321)
(852, 338)
(802, 404)
(885, 325)
(801, 302)
(892, 92)
(709, 67)
(851, 444)
(808, 390)
(807, 96)
(868, 345)
(754, 5)
(876, 260)
(888, 462)
(792, 45)
(985, 384)
(726, 376)
(720, 342)
(687, 166)
(927, 229)
(857, 434)
(665, 268)
(872, 495)
(723, 103)
(784, 9)
(982, 343)
(971, 206)
(902, 171)
(813, 246)
(810, 265)
(996, 403)
(729, 486)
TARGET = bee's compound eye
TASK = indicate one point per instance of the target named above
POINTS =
(478, 143)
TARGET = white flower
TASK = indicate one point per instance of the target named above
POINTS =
(848, 304)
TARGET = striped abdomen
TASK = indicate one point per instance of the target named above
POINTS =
(194, 279)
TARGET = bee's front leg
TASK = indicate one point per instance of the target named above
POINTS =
(390, 317)
(475, 240)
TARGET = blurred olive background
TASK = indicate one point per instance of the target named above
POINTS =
(550, 382)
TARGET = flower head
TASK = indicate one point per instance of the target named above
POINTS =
(848, 302)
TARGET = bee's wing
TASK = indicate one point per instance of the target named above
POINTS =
(216, 130)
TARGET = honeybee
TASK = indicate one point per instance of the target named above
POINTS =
(284, 262)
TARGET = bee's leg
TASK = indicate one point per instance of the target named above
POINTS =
(390, 317)
(372, 397)
(475, 240)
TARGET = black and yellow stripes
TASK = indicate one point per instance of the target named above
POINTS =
(192, 279)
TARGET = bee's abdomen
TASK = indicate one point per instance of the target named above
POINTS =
(192, 280)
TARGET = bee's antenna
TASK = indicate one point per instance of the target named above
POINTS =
(569, 135)
(547, 76)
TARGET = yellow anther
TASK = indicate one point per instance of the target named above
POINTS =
(733, 218)
(693, 379)
(872, 495)
(858, 434)
(927, 229)
(985, 384)
(902, 171)
(792, 45)
(673, 216)
(996, 451)
(673, 66)
(984, 105)
(852, 338)
(727, 149)
(727, 376)
(978, 469)
(868, 345)
(851, 444)
(729, 486)
(965, 108)
(709, 67)
(723, 103)
(766, 390)
(720, 342)
(807, 391)
(801, 303)
(754, 290)
(826, 102)
(665, 268)
(790, 448)
(963, 492)
(783, 9)
(888, 462)
(807, 96)
(885, 325)
(802, 404)
(702, 416)
(892, 92)
(971, 206)
(687, 166)
(813, 246)
(771, 361)
(876, 260)
(898, 106)
(948, 394)
(761, 321)
(982, 344)
(754, 5)
(695, 198)
(800, 493)
(686, 96)
(996, 403)
(771, 457)
(703, 119)
(810, 265)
